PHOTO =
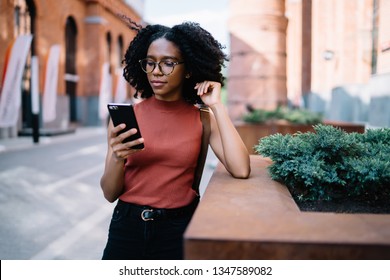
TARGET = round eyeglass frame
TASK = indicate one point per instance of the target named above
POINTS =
(159, 66)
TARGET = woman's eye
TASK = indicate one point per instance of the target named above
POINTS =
(169, 63)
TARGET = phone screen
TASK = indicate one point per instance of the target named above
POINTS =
(124, 113)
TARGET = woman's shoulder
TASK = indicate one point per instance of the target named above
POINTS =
(139, 101)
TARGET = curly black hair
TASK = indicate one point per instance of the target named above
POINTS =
(202, 54)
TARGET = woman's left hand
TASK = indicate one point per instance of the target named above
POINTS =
(209, 92)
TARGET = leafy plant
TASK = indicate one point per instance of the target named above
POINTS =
(330, 163)
(296, 116)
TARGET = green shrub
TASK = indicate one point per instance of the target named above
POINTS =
(331, 163)
(295, 116)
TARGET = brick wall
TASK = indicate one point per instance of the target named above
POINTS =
(94, 19)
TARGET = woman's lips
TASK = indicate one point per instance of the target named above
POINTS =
(157, 83)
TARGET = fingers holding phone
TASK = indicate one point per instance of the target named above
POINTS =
(125, 136)
(119, 141)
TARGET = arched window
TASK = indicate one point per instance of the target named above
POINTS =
(120, 50)
(71, 77)
(24, 23)
(24, 13)
(109, 50)
(70, 45)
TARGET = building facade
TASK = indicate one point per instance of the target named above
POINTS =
(258, 55)
(330, 56)
(89, 34)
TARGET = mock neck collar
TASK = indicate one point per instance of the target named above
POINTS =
(168, 105)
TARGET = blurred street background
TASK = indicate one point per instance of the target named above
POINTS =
(51, 203)
(61, 63)
(52, 206)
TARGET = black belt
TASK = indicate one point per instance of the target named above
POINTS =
(148, 213)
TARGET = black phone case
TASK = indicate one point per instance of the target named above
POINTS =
(124, 113)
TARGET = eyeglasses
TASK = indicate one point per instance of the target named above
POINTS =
(166, 66)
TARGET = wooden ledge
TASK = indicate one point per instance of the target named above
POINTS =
(258, 219)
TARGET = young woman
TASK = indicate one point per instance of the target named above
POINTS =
(172, 69)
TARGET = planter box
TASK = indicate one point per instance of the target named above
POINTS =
(251, 133)
(258, 219)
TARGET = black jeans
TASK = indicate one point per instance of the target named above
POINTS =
(130, 237)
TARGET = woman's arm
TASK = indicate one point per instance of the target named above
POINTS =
(224, 138)
(227, 143)
(112, 180)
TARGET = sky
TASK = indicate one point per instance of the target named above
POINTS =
(212, 15)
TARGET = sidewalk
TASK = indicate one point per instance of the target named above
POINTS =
(25, 142)
(86, 237)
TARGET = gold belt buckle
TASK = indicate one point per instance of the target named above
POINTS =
(146, 211)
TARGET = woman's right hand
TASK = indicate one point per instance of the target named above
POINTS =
(122, 150)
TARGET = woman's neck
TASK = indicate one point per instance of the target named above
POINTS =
(169, 97)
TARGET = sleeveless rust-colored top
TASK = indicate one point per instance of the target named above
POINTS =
(162, 174)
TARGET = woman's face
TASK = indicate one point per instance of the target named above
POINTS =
(165, 87)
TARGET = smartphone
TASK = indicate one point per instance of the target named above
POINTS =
(124, 113)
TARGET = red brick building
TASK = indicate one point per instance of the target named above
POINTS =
(330, 56)
(89, 33)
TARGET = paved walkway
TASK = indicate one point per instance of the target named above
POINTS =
(86, 238)
(25, 142)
